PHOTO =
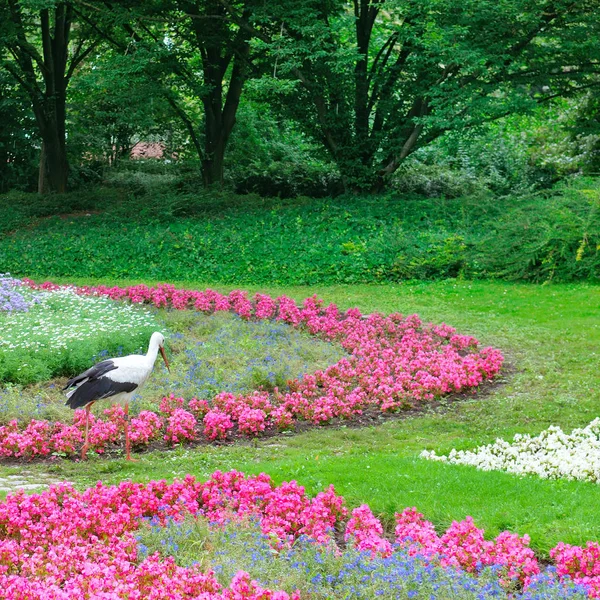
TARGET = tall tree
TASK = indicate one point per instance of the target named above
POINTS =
(225, 53)
(41, 48)
(202, 59)
(376, 79)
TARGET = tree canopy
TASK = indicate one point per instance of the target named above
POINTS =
(371, 81)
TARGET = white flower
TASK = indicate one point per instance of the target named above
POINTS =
(552, 454)
(62, 317)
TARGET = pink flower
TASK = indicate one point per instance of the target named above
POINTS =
(198, 407)
(415, 534)
(252, 421)
(170, 403)
(216, 424)
(366, 532)
(394, 362)
(181, 427)
(145, 428)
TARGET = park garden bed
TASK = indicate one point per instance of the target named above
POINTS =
(200, 540)
(238, 537)
(393, 364)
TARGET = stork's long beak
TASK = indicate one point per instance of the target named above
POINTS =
(162, 351)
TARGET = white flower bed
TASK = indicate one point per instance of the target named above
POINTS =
(62, 317)
(552, 455)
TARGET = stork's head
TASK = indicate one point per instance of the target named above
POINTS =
(159, 339)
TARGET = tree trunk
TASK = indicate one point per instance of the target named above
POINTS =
(42, 186)
(212, 164)
(48, 94)
(54, 167)
(57, 166)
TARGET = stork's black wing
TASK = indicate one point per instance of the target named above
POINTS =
(93, 385)
(94, 372)
(97, 389)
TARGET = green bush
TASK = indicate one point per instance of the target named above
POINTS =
(270, 157)
(513, 156)
(160, 231)
(436, 180)
(19, 209)
(546, 237)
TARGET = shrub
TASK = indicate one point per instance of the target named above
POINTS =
(547, 237)
(272, 158)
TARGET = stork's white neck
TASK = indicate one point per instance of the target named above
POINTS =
(153, 348)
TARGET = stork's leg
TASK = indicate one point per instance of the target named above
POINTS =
(127, 441)
(86, 443)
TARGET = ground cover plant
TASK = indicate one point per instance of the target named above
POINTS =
(552, 454)
(327, 571)
(50, 333)
(96, 530)
(393, 363)
(175, 233)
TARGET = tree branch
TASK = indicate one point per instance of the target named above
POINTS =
(48, 71)
(32, 90)
(188, 124)
(79, 58)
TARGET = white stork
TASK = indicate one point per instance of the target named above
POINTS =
(117, 379)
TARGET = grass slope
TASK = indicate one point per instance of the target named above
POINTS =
(551, 338)
(167, 232)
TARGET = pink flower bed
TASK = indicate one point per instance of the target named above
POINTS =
(63, 544)
(581, 564)
(395, 362)
(464, 546)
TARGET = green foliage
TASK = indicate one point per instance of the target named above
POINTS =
(515, 155)
(19, 209)
(270, 157)
(99, 128)
(208, 354)
(160, 227)
(584, 130)
(375, 83)
(433, 179)
(18, 153)
(63, 333)
(429, 255)
(547, 237)
(331, 94)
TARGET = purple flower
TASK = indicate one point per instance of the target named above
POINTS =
(10, 299)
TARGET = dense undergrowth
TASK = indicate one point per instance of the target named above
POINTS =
(163, 227)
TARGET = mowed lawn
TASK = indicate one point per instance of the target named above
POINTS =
(550, 336)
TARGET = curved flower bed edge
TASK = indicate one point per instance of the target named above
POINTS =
(395, 363)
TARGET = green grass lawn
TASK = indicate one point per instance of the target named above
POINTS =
(551, 339)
